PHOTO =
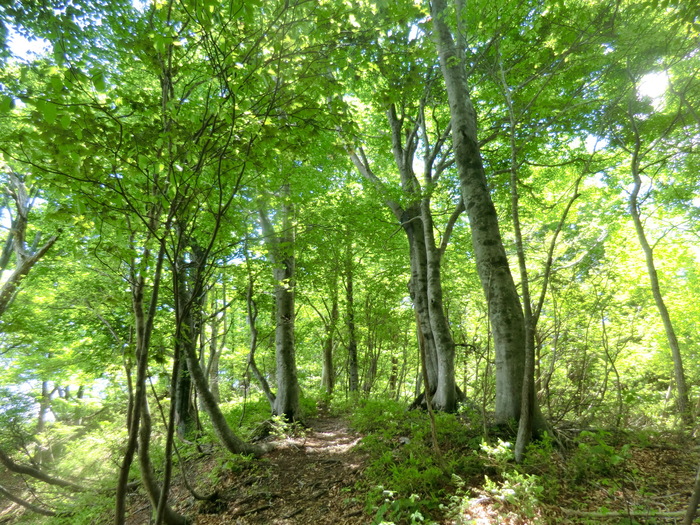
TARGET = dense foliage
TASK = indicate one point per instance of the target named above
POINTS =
(210, 205)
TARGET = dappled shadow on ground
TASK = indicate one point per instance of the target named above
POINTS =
(306, 479)
(652, 485)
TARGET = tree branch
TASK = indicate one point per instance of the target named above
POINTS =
(37, 474)
(25, 503)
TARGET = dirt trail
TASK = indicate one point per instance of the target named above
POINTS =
(308, 479)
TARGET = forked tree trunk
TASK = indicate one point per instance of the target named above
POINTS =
(153, 490)
(143, 327)
(425, 285)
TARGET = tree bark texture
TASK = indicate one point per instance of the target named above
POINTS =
(281, 249)
(445, 397)
(188, 311)
(505, 311)
(425, 256)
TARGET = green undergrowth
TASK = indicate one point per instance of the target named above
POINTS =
(407, 481)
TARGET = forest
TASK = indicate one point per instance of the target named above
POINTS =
(349, 261)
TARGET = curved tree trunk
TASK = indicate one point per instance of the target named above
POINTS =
(223, 431)
(505, 310)
(252, 309)
(143, 322)
(148, 476)
(678, 370)
(35, 473)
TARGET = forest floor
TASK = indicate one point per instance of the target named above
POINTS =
(307, 479)
(311, 479)
(312, 475)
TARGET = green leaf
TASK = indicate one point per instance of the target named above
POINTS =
(56, 82)
(48, 110)
(7, 103)
(99, 81)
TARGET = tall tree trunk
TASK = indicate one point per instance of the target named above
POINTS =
(418, 288)
(678, 370)
(353, 372)
(252, 310)
(328, 370)
(143, 322)
(530, 415)
(287, 396)
(425, 256)
(281, 249)
(155, 495)
(505, 311)
(188, 307)
(445, 397)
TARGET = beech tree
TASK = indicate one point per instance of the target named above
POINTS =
(360, 182)
(653, 134)
(505, 310)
